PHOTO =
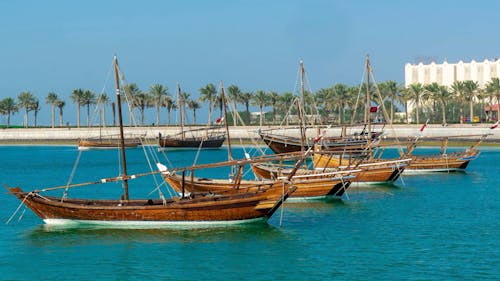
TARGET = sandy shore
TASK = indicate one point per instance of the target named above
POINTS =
(70, 135)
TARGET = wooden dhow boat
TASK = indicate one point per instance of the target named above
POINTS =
(209, 137)
(307, 187)
(107, 143)
(372, 170)
(444, 161)
(289, 139)
(213, 209)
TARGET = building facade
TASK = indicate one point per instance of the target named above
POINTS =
(447, 73)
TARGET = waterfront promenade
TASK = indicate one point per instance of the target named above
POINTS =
(246, 133)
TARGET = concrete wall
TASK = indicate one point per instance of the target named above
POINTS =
(245, 133)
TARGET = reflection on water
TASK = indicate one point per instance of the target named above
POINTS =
(49, 235)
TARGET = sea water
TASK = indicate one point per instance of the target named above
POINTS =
(443, 226)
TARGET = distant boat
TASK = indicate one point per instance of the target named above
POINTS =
(213, 209)
(282, 140)
(444, 161)
(107, 143)
(209, 137)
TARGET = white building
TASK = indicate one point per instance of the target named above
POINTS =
(447, 73)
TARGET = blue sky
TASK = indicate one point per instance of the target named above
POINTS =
(62, 45)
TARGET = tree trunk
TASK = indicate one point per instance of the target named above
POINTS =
(461, 115)
(8, 120)
(443, 111)
(26, 118)
(60, 117)
(248, 112)
(104, 116)
(78, 116)
(157, 115)
(53, 115)
(471, 107)
(194, 116)
(406, 113)
(392, 110)
(261, 115)
(88, 115)
(416, 108)
(235, 118)
(210, 113)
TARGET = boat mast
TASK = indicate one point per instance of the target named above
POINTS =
(302, 107)
(368, 103)
(120, 123)
(226, 124)
(181, 109)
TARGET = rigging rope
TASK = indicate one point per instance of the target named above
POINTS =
(65, 193)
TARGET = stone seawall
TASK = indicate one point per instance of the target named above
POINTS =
(244, 133)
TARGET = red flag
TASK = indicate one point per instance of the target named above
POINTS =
(494, 125)
(373, 109)
(318, 138)
(219, 120)
(423, 126)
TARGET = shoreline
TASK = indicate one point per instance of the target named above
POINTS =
(463, 135)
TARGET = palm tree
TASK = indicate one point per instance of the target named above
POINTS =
(273, 101)
(458, 90)
(158, 92)
(51, 99)
(340, 92)
(234, 95)
(286, 101)
(493, 87)
(103, 100)
(391, 90)
(471, 89)
(416, 91)
(443, 95)
(77, 97)
(245, 99)
(208, 94)
(130, 90)
(60, 104)
(35, 107)
(169, 104)
(142, 100)
(8, 107)
(182, 102)
(88, 99)
(406, 95)
(193, 105)
(26, 100)
(261, 99)
(432, 91)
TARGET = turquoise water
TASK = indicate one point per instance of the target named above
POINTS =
(428, 227)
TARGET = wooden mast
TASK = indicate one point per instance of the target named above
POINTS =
(302, 108)
(120, 123)
(223, 100)
(181, 109)
(368, 104)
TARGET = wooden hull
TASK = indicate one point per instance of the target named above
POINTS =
(105, 144)
(211, 209)
(285, 144)
(192, 143)
(306, 187)
(441, 163)
(372, 173)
